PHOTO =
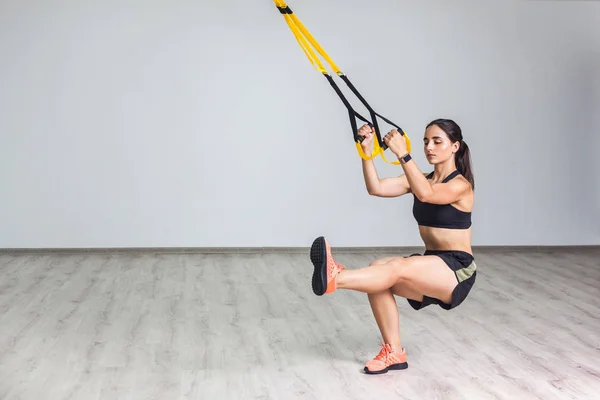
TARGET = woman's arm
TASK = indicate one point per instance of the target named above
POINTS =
(436, 193)
(387, 187)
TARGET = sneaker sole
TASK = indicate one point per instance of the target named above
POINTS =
(318, 257)
(394, 367)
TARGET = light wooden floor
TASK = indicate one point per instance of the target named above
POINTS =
(191, 326)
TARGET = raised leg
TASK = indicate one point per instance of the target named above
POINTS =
(415, 276)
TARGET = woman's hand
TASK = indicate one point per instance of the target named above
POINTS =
(366, 132)
(396, 143)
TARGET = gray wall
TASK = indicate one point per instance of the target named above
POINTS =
(202, 123)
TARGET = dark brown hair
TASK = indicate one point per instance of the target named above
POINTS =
(462, 158)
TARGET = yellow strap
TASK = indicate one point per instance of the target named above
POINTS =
(317, 46)
(302, 34)
(310, 54)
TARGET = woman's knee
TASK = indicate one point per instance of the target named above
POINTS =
(376, 262)
(394, 268)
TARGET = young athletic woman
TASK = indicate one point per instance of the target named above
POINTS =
(445, 273)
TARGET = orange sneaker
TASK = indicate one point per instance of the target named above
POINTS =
(325, 267)
(387, 360)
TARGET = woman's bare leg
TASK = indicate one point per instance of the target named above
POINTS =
(423, 275)
(385, 309)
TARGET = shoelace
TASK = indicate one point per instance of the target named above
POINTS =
(333, 265)
(384, 353)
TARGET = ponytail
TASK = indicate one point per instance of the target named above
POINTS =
(462, 159)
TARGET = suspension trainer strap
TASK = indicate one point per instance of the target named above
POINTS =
(305, 39)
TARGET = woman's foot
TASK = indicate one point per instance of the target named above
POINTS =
(326, 268)
(387, 360)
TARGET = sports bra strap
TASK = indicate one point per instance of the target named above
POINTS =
(452, 175)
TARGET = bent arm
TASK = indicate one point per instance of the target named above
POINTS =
(438, 193)
(387, 187)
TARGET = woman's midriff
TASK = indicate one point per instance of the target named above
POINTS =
(446, 239)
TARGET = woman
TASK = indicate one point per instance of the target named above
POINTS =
(445, 273)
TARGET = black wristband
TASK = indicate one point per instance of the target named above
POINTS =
(405, 158)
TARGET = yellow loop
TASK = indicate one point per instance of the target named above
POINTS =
(407, 140)
(377, 150)
(362, 154)
(385, 159)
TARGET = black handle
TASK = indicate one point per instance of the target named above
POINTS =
(382, 144)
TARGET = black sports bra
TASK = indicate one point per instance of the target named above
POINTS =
(441, 215)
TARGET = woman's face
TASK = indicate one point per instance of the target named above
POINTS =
(437, 146)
